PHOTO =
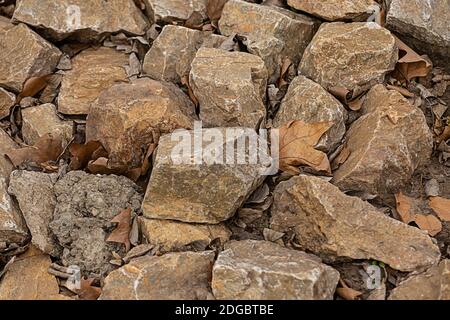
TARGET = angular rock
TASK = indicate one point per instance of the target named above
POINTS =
(32, 56)
(262, 270)
(307, 101)
(273, 33)
(387, 144)
(135, 111)
(434, 284)
(170, 11)
(230, 87)
(82, 20)
(173, 276)
(93, 71)
(7, 100)
(339, 56)
(336, 227)
(174, 235)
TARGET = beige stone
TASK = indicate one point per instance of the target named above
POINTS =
(7, 100)
(170, 11)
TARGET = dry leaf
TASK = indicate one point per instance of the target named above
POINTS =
(429, 223)
(444, 136)
(82, 154)
(88, 291)
(32, 86)
(404, 206)
(122, 232)
(214, 10)
(195, 21)
(357, 103)
(410, 65)
(346, 292)
(343, 94)
(441, 206)
(405, 92)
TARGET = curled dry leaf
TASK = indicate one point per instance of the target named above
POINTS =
(32, 86)
(441, 206)
(195, 21)
(444, 136)
(87, 291)
(122, 232)
(404, 207)
(82, 154)
(429, 223)
(405, 92)
(346, 292)
(347, 97)
(214, 10)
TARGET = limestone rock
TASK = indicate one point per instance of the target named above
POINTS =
(93, 71)
(170, 11)
(230, 87)
(262, 270)
(387, 144)
(83, 20)
(339, 56)
(335, 226)
(173, 276)
(125, 116)
(7, 100)
(307, 101)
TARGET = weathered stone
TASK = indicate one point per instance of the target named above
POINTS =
(354, 56)
(307, 101)
(424, 26)
(170, 11)
(337, 227)
(7, 100)
(205, 191)
(174, 235)
(32, 56)
(83, 20)
(171, 54)
(273, 33)
(230, 87)
(262, 270)
(40, 120)
(336, 10)
(434, 284)
(5, 24)
(173, 276)
(93, 71)
(387, 144)
(35, 195)
(135, 111)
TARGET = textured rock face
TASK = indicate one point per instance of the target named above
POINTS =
(423, 25)
(169, 11)
(85, 20)
(307, 101)
(230, 87)
(7, 100)
(32, 56)
(93, 71)
(272, 33)
(252, 270)
(153, 278)
(135, 111)
(386, 145)
(338, 55)
(335, 226)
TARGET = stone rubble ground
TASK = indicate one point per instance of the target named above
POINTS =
(107, 93)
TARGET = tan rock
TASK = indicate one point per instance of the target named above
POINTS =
(173, 276)
(93, 71)
(33, 56)
(230, 87)
(83, 20)
(272, 33)
(170, 11)
(307, 101)
(7, 100)
(387, 144)
(339, 53)
(335, 226)
(5, 23)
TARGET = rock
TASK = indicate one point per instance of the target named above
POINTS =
(339, 53)
(172, 11)
(85, 206)
(171, 55)
(81, 20)
(36, 197)
(5, 24)
(273, 33)
(93, 71)
(173, 276)
(7, 100)
(337, 227)
(424, 26)
(230, 87)
(307, 101)
(336, 10)
(262, 270)
(34, 57)
(40, 120)
(173, 235)
(387, 144)
(434, 284)
(125, 116)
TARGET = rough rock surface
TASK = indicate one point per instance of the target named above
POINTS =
(272, 33)
(386, 145)
(136, 110)
(339, 53)
(32, 56)
(230, 87)
(261, 270)
(170, 11)
(336, 226)
(7, 100)
(93, 71)
(84, 20)
(307, 101)
(173, 276)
